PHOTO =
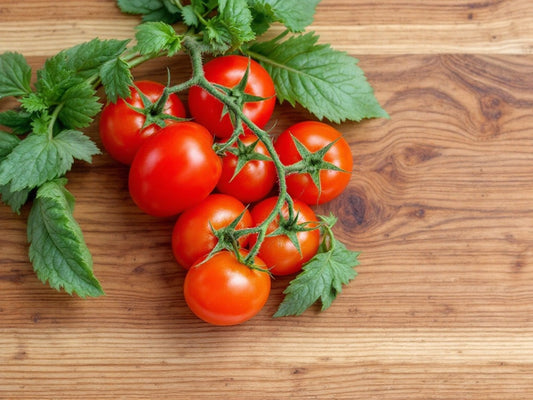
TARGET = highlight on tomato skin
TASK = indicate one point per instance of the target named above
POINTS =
(193, 237)
(315, 136)
(224, 291)
(122, 128)
(174, 170)
(228, 71)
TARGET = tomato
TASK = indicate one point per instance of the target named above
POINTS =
(315, 136)
(121, 128)
(174, 169)
(223, 291)
(255, 180)
(278, 252)
(228, 71)
(193, 235)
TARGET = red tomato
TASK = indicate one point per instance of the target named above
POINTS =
(193, 236)
(254, 181)
(228, 71)
(174, 169)
(121, 128)
(315, 136)
(223, 291)
(278, 252)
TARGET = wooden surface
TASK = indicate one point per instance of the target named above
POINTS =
(440, 204)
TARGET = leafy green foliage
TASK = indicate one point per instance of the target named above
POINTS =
(15, 75)
(39, 158)
(156, 37)
(57, 248)
(322, 278)
(151, 10)
(18, 121)
(116, 78)
(291, 13)
(325, 81)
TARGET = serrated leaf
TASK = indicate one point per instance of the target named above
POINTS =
(116, 78)
(322, 278)
(85, 59)
(80, 105)
(38, 159)
(189, 16)
(57, 248)
(33, 103)
(14, 199)
(18, 121)
(151, 10)
(326, 82)
(7, 143)
(15, 75)
(291, 13)
(155, 37)
(238, 20)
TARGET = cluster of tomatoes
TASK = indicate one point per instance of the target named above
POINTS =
(175, 171)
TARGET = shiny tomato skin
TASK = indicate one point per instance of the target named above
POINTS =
(315, 135)
(192, 236)
(254, 181)
(174, 169)
(121, 128)
(223, 291)
(228, 72)
(278, 252)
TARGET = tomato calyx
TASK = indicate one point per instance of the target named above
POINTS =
(153, 111)
(244, 153)
(312, 163)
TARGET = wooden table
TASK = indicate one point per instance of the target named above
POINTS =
(440, 204)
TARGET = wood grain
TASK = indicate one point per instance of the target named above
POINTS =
(440, 205)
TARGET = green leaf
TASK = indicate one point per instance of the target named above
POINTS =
(116, 78)
(321, 279)
(325, 81)
(57, 248)
(7, 143)
(155, 37)
(15, 75)
(237, 18)
(18, 121)
(189, 16)
(86, 59)
(291, 13)
(54, 78)
(33, 103)
(151, 10)
(15, 200)
(38, 159)
(80, 105)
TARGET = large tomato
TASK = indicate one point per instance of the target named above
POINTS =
(255, 180)
(223, 291)
(193, 235)
(121, 127)
(279, 252)
(174, 169)
(315, 136)
(228, 71)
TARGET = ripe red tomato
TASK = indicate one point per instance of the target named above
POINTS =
(254, 181)
(174, 169)
(315, 136)
(278, 252)
(121, 128)
(223, 291)
(193, 236)
(228, 71)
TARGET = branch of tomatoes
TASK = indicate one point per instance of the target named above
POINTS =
(280, 218)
